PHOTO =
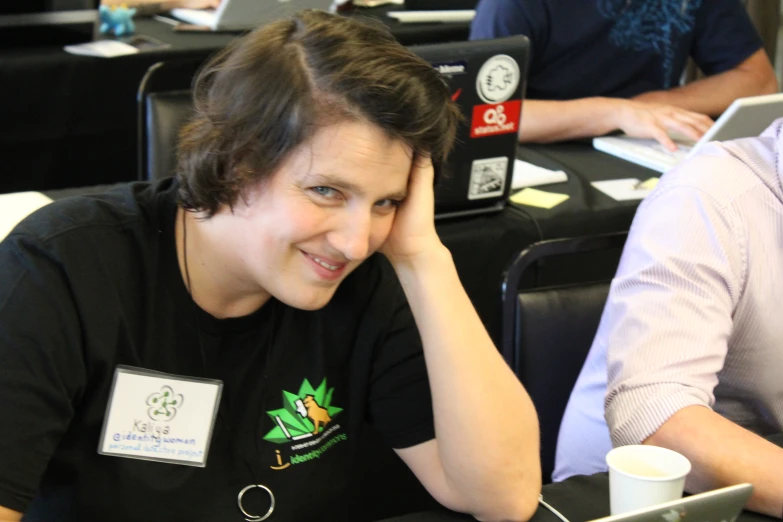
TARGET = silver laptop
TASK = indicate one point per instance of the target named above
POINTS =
(720, 505)
(744, 118)
(240, 15)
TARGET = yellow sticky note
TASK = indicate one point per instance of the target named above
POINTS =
(648, 184)
(538, 198)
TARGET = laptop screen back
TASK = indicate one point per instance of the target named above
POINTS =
(247, 14)
(720, 505)
(487, 80)
(745, 117)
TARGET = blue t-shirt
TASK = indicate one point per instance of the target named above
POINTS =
(618, 48)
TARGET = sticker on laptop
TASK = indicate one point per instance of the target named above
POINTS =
(494, 119)
(488, 177)
(498, 79)
(451, 68)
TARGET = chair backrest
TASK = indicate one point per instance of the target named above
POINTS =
(765, 15)
(164, 105)
(548, 331)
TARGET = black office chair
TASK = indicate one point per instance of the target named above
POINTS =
(547, 330)
(164, 105)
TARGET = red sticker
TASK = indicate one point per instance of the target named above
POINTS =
(495, 118)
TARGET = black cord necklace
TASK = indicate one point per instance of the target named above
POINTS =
(257, 484)
(189, 287)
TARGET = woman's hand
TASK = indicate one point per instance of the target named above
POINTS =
(413, 233)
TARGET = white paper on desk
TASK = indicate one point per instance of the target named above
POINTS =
(622, 189)
(529, 175)
(376, 3)
(16, 206)
(102, 49)
(415, 17)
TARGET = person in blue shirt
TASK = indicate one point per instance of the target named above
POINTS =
(597, 66)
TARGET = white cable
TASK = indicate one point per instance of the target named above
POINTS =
(550, 508)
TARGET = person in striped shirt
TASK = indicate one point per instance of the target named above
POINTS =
(689, 351)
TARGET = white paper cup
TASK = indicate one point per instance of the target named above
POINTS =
(642, 476)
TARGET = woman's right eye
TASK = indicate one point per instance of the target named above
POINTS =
(325, 192)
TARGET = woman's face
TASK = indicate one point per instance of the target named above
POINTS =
(332, 204)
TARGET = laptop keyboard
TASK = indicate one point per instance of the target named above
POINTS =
(646, 152)
(681, 152)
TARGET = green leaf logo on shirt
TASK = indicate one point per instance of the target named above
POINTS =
(303, 414)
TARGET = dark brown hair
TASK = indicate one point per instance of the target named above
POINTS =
(260, 98)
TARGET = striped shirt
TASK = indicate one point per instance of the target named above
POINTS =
(695, 312)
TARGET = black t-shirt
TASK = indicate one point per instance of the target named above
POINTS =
(91, 283)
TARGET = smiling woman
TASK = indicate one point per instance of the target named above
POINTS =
(298, 233)
(284, 289)
(335, 124)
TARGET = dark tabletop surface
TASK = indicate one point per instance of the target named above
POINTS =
(579, 499)
(70, 120)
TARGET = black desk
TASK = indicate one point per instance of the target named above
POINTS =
(588, 211)
(70, 121)
(579, 499)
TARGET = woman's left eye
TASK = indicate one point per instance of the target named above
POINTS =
(326, 192)
(388, 203)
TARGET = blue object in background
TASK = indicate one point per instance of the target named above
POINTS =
(118, 20)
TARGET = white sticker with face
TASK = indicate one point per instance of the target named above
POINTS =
(488, 177)
(158, 416)
(498, 79)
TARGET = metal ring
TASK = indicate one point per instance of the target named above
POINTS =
(248, 516)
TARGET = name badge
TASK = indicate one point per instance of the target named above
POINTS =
(158, 416)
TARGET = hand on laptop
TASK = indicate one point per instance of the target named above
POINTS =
(656, 120)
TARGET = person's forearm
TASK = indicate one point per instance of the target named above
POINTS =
(486, 425)
(722, 454)
(712, 95)
(146, 7)
(9, 515)
(549, 121)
